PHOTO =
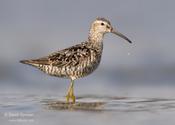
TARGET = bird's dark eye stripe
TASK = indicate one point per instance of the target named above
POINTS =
(108, 27)
(102, 24)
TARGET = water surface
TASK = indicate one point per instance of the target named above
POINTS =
(89, 109)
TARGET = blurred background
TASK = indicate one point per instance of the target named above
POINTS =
(35, 28)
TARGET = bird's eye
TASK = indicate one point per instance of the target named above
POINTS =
(102, 24)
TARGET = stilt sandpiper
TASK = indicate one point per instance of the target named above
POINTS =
(79, 60)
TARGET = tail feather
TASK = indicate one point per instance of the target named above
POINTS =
(26, 61)
(29, 62)
(36, 62)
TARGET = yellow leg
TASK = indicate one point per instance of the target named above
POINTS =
(70, 92)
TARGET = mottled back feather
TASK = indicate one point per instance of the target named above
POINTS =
(69, 56)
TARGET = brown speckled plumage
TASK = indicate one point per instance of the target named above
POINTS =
(74, 62)
(79, 60)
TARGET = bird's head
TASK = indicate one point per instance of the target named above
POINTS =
(103, 26)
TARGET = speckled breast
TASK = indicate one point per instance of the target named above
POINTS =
(83, 68)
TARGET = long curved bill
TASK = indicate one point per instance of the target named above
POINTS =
(121, 35)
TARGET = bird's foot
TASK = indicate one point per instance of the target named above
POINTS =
(70, 96)
(70, 93)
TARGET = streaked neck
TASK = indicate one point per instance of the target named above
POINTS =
(95, 36)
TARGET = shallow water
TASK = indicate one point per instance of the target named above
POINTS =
(88, 109)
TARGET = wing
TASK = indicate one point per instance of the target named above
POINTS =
(70, 56)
